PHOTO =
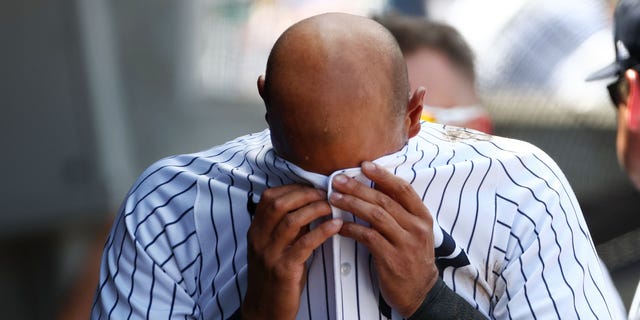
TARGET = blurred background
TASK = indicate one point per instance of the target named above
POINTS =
(94, 91)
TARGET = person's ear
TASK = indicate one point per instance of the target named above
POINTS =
(414, 111)
(261, 86)
(260, 83)
(633, 100)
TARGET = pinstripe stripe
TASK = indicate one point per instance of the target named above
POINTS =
(173, 300)
(524, 275)
(217, 254)
(153, 283)
(493, 227)
(133, 273)
(306, 289)
(440, 207)
(355, 248)
(475, 220)
(413, 169)
(455, 220)
(117, 273)
(600, 293)
(235, 241)
(475, 286)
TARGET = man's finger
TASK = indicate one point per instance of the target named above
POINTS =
(396, 188)
(379, 218)
(377, 244)
(275, 203)
(289, 228)
(302, 249)
(351, 189)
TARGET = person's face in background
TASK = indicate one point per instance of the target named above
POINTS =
(445, 84)
(627, 89)
(451, 94)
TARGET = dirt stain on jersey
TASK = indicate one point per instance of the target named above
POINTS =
(457, 134)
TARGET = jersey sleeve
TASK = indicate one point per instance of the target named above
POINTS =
(551, 269)
(150, 261)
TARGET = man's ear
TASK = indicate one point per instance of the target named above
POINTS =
(261, 93)
(633, 100)
(414, 111)
(261, 87)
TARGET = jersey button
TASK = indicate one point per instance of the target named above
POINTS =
(345, 268)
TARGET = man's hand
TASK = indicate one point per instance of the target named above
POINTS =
(279, 243)
(400, 238)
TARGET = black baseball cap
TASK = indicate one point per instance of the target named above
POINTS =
(626, 34)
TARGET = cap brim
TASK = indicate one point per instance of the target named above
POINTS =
(606, 72)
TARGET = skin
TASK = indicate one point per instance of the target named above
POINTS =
(448, 86)
(328, 108)
(627, 140)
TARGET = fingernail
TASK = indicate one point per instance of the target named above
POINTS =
(369, 166)
(335, 196)
(341, 179)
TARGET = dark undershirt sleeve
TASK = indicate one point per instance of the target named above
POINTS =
(236, 315)
(442, 303)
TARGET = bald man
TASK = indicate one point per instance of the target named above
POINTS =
(349, 207)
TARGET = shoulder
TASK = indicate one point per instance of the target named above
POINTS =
(182, 170)
(167, 189)
(159, 210)
(513, 165)
(465, 144)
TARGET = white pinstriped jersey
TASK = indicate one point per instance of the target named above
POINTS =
(510, 236)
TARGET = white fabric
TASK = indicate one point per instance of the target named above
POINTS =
(634, 309)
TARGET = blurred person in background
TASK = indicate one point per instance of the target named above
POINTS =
(625, 95)
(439, 58)
(624, 90)
(534, 47)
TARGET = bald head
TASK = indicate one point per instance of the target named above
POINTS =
(336, 92)
(354, 50)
